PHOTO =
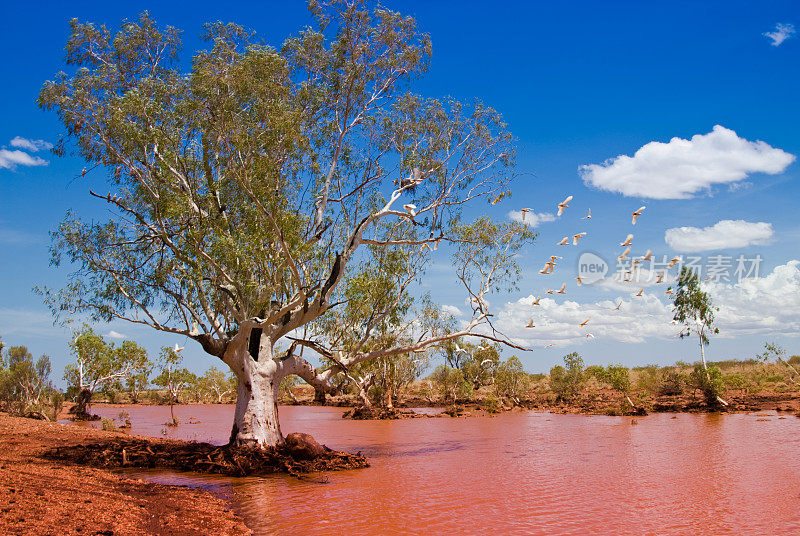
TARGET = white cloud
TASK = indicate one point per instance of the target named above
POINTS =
(638, 319)
(768, 305)
(782, 33)
(452, 310)
(736, 186)
(12, 159)
(531, 218)
(760, 305)
(30, 145)
(115, 335)
(722, 235)
(681, 168)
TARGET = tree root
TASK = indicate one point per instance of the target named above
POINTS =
(202, 457)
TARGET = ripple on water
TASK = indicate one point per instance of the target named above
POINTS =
(520, 473)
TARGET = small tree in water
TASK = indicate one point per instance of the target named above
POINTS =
(172, 378)
(248, 194)
(693, 309)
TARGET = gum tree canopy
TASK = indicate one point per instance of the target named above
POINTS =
(256, 196)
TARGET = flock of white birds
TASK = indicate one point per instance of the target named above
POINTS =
(550, 265)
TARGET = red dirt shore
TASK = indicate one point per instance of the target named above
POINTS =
(44, 497)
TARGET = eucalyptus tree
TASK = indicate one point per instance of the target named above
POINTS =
(218, 383)
(172, 378)
(137, 376)
(772, 350)
(98, 363)
(693, 309)
(24, 382)
(249, 192)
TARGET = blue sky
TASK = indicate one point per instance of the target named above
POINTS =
(579, 83)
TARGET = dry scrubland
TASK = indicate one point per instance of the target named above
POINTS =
(748, 385)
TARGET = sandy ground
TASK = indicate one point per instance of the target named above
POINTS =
(41, 497)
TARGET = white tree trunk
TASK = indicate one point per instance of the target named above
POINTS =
(703, 354)
(363, 391)
(255, 420)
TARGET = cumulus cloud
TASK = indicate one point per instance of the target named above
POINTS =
(722, 235)
(556, 323)
(681, 168)
(768, 305)
(12, 159)
(115, 335)
(783, 31)
(30, 145)
(760, 305)
(452, 310)
(532, 219)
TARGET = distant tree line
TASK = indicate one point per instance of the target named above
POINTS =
(102, 369)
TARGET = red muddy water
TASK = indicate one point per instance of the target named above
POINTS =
(520, 473)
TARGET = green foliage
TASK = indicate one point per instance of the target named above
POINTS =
(450, 383)
(773, 351)
(617, 377)
(648, 379)
(172, 378)
(99, 363)
(692, 307)
(57, 404)
(137, 377)
(709, 382)
(566, 381)
(243, 187)
(480, 366)
(220, 384)
(24, 383)
(109, 425)
(672, 383)
(735, 381)
(111, 391)
(595, 371)
(510, 378)
(394, 374)
(287, 384)
(491, 404)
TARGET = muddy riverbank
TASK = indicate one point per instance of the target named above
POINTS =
(47, 497)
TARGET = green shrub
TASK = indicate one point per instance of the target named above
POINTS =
(648, 379)
(450, 383)
(566, 382)
(617, 377)
(735, 381)
(672, 383)
(57, 403)
(108, 425)
(595, 371)
(491, 404)
(708, 382)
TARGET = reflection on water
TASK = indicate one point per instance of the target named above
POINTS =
(522, 473)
